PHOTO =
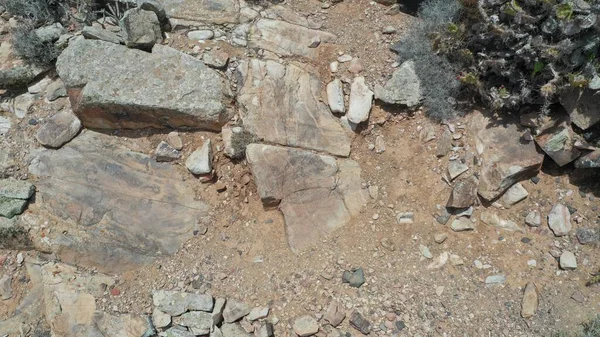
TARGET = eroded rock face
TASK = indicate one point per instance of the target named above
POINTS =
(506, 159)
(209, 11)
(582, 106)
(112, 86)
(279, 103)
(285, 38)
(317, 194)
(125, 207)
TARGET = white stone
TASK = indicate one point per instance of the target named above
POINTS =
(335, 96)
(513, 195)
(204, 34)
(361, 100)
(200, 161)
(568, 261)
(559, 220)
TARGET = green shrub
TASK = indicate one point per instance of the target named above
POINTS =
(37, 11)
(28, 46)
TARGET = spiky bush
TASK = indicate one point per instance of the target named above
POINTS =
(31, 48)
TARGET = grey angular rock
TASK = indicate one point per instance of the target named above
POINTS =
(533, 219)
(456, 168)
(156, 7)
(405, 218)
(5, 125)
(403, 88)
(587, 235)
(176, 303)
(582, 106)
(160, 319)
(514, 195)
(59, 129)
(235, 310)
(16, 189)
(335, 313)
(492, 219)
(142, 29)
(589, 160)
(361, 100)
(287, 14)
(495, 279)
(355, 277)
(198, 322)
(233, 330)
(11, 207)
(285, 38)
(464, 193)
(203, 34)
(316, 193)
(213, 11)
(462, 224)
(444, 144)
(165, 152)
(174, 140)
(215, 59)
(557, 142)
(55, 90)
(289, 112)
(5, 287)
(158, 89)
(360, 323)
(200, 161)
(94, 183)
(425, 251)
(258, 313)
(568, 261)
(178, 331)
(559, 220)
(97, 33)
(335, 96)
(440, 237)
(439, 261)
(305, 326)
(530, 302)
(505, 159)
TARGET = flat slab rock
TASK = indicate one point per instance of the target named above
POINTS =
(208, 11)
(112, 86)
(286, 39)
(126, 208)
(317, 194)
(279, 103)
(506, 159)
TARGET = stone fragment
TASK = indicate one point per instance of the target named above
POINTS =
(355, 277)
(464, 193)
(440, 237)
(506, 160)
(495, 279)
(285, 38)
(174, 140)
(514, 195)
(198, 322)
(16, 189)
(203, 34)
(568, 260)
(317, 194)
(405, 218)
(559, 220)
(462, 224)
(335, 313)
(403, 88)
(11, 207)
(361, 99)
(215, 59)
(142, 29)
(55, 90)
(588, 160)
(234, 311)
(233, 330)
(160, 319)
(258, 313)
(305, 326)
(557, 142)
(5, 287)
(456, 260)
(213, 12)
(587, 235)
(456, 168)
(492, 219)
(217, 313)
(425, 251)
(582, 106)
(177, 331)
(530, 302)
(165, 152)
(59, 129)
(360, 323)
(157, 90)
(444, 144)
(335, 96)
(97, 33)
(289, 112)
(200, 161)
(533, 219)
(439, 261)
(176, 303)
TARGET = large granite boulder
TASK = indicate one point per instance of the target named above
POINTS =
(280, 104)
(208, 11)
(286, 39)
(506, 158)
(121, 208)
(112, 86)
(316, 193)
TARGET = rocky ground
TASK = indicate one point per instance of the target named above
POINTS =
(346, 215)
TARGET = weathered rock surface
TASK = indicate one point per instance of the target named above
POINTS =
(58, 129)
(456, 168)
(533, 219)
(234, 311)
(142, 29)
(360, 323)
(176, 303)
(530, 301)
(464, 193)
(589, 160)
(166, 153)
(200, 161)
(462, 225)
(158, 89)
(209, 11)
(285, 38)
(14, 195)
(557, 142)
(285, 13)
(335, 96)
(568, 260)
(514, 195)
(403, 88)
(335, 313)
(492, 219)
(97, 33)
(197, 322)
(305, 326)
(506, 160)
(279, 103)
(582, 106)
(559, 220)
(361, 100)
(317, 194)
(97, 184)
